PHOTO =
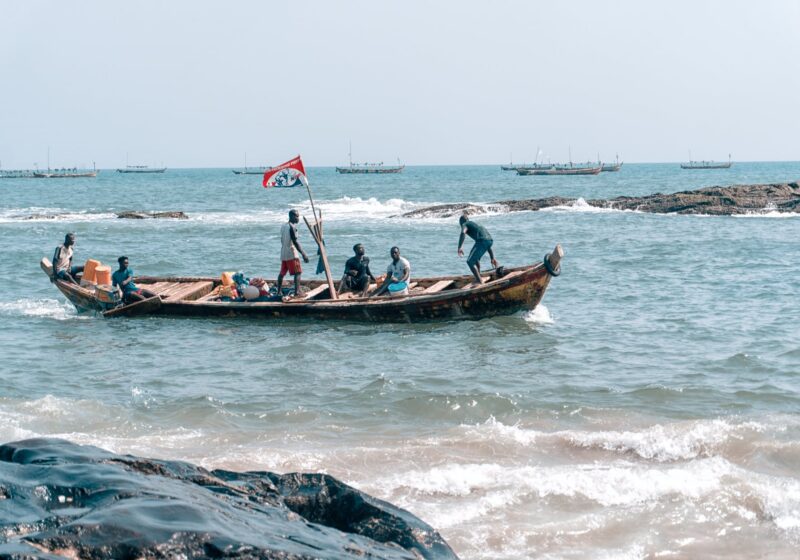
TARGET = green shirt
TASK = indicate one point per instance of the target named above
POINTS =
(477, 232)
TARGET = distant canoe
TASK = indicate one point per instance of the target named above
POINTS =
(251, 171)
(63, 174)
(141, 169)
(360, 168)
(610, 167)
(706, 165)
(561, 170)
(16, 174)
(527, 166)
(429, 299)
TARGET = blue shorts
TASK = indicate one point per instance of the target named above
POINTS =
(478, 250)
(62, 274)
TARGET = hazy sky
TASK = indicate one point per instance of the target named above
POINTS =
(199, 84)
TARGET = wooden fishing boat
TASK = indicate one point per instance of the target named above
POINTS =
(691, 164)
(706, 165)
(141, 169)
(562, 170)
(369, 168)
(63, 174)
(616, 166)
(527, 166)
(251, 171)
(503, 292)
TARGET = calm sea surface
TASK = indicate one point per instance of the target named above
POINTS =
(649, 407)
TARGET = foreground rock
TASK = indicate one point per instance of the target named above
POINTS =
(58, 499)
(146, 215)
(718, 201)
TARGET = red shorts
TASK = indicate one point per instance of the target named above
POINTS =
(292, 267)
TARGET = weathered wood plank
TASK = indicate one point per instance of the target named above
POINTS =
(316, 291)
(472, 284)
(189, 290)
(439, 286)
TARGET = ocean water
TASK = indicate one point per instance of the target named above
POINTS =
(648, 408)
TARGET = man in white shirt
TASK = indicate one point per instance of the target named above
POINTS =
(62, 261)
(399, 270)
(289, 249)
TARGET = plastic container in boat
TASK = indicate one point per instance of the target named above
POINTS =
(227, 278)
(398, 289)
(102, 274)
(107, 293)
(88, 272)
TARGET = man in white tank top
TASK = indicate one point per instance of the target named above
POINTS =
(62, 261)
(289, 249)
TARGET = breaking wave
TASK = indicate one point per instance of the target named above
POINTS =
(44, 308)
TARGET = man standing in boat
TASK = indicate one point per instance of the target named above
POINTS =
(62, 261)
(289, 249)
(483, 243)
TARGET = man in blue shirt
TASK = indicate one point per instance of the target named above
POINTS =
(483, 243)
(123, 278)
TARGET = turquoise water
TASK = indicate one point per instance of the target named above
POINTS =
(649, 406)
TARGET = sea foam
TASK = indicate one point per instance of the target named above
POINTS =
(44, 308)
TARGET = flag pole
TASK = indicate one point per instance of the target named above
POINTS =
(316, 233)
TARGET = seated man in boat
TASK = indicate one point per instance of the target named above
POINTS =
(290, 246)
(483, 243)
(123, 278)
(398, 274)
(62, 261)
(357, 274)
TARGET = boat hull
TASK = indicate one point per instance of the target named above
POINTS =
(159, 170)
(519, 289)
(558, 171)
(720, 166)
(370, 170)
(474, 303)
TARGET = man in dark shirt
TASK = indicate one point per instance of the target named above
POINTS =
(483, 243)
(357, 274)
(123, 279)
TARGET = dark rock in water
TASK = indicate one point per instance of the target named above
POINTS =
(40, 217)
(146, 215)
(722, 201)
(58, 499)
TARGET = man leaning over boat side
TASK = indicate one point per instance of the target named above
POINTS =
(62, 261)
(483, 243)
(397, 273)
(290, 246)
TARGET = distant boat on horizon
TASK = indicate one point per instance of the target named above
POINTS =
(251, 170)
(512, 167)
(706, 164)
(569, 169)
(141, 169)
(64, 173)
(378, 168)
(616, 166)
(534, 165)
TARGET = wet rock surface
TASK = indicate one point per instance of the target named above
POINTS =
(717, 201)
(148, 215)
(58, 499)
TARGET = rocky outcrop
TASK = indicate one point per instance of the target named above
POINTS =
(146, 215)
(64, 500)
(718, 201)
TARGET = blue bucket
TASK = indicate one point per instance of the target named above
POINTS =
(398, 288)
